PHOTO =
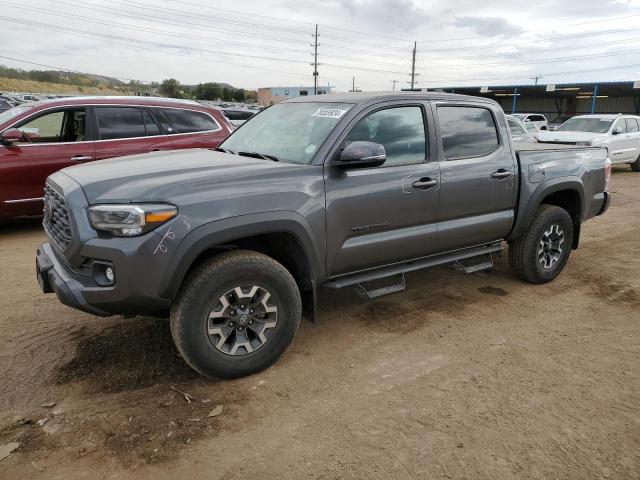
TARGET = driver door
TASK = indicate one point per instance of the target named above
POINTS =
(53, 140)
(386, 214)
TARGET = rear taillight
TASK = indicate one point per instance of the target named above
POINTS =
(607, 173)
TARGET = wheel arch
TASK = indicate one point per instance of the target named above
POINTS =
(561, 192)
(285, 236)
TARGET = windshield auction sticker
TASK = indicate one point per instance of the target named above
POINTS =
(329, 113)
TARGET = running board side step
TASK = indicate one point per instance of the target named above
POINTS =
(381, 291)
(482, 253)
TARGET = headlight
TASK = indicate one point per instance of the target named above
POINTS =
(130, 220)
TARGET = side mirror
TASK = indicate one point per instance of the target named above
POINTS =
(361, 155)
(617, 131)
(11, 136)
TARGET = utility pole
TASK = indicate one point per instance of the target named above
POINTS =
(413, 66)
(394, 84)
(315, 62)
(353, 84)
(536, 78)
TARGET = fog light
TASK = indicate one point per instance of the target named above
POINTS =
(109, 275)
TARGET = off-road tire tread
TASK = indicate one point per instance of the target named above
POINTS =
(196, 282)
(522, 262)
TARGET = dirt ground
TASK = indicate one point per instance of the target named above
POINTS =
(461, 376)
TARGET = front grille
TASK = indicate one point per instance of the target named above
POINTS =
(56, 218)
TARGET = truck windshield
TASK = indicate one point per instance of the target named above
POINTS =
(291, 132)
(593, 125)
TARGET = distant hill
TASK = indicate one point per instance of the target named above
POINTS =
(31, 86)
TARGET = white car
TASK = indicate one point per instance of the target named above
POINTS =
(520, 133)
(619, 134)
(540, 121)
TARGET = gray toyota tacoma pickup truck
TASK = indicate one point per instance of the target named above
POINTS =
(232, 244)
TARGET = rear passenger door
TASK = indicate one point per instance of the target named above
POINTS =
(127, 130)
(478, 175)
(191, 128)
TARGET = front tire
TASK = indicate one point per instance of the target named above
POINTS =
(635, 166)
(235, 314)
(541, 253)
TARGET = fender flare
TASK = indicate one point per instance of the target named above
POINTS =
(235, 228)
(527, 208)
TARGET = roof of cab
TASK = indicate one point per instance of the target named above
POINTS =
(360, 98)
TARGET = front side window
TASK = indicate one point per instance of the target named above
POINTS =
(189, 121)
(290, 131)
(515, 128)
(55, 127)
(399, 130)
(621, 126)
(120, 122)
(467, 132)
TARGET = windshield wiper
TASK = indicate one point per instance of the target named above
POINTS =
(223, 150)
(259, 155)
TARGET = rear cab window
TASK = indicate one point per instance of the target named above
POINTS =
(467, 131)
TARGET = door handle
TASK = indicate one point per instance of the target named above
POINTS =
(81, 158)
(425, 183)
(501, 173)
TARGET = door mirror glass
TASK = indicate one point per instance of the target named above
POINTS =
(617, 131)
(361, 155)
(12, 135)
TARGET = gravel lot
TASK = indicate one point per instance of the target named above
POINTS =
(461, 376)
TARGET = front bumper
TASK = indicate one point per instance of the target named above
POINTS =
(135, 290)
(54, 277)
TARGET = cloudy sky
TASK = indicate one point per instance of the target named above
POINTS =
(255, 43)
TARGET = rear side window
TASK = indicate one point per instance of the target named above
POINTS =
(189, 121)
(467, 132)
(536, 118)
(120, 122)
(150, 124)
(632, 125)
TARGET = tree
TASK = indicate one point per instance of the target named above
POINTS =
(208, 91)
(171, 88)
(238, 95)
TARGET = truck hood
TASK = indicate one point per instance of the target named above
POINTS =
(567, 136)
(162, 176)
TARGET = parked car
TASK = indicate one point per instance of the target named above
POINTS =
(557, 121)
(29, 97)
(619, 134)
(332, 191)
(540, 121)
(40, 138)
(238, 116)
(5, 105)
(519, 131)
(12, 99)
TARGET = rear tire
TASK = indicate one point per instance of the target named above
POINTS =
(541, 253)
(635, 166)
(235, 314)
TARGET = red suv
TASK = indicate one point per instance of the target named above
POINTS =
(40, 138)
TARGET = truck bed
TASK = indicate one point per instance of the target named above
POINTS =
(535, 147)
